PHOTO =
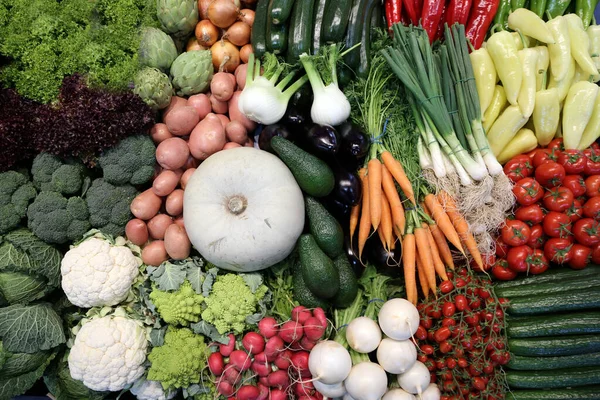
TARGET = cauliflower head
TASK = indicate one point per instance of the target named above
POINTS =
(230, 302)
(179, 307)
(180, 360)
(108, 353)
(151, 390)
(98, 273)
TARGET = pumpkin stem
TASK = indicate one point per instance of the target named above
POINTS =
(237, 204)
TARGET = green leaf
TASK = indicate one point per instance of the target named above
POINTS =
(21, 288)
(29, 329)
(196, 278)
(22, 363)
(253, 280)
(209, 330)
(60, 384)
(17, 385)
(157, 336)
(168, 276)
(211, 275)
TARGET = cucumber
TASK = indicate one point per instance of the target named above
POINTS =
(557, 378)
(277, 38)
(580, 393)
(584, 299)
(549, 287)
(319, 11)
(259, 29)
(300, 30)
(318, 271)
(547, 363)
(557, 274)
(335, 19)
(326, 230)
(554, 345)
(348, 283)
(281, 10)
(552, 325)
(302, 293)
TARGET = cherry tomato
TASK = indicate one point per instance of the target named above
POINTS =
(441, 334)
(556, 144)
(550, 174)
(581, 256)
(532, 214)
(558, 199)
(575, 183)
(448, 309)
(591, 208)
(592, 186)
(587, 232)
(592, 165)
(518, 258)
(558, 250)
(518, 167)
(528, 191)
(538, 262)
(573, 160)
(596, 254)
(445, 347)
(501, 271)
(479, 384)
(537, 237)
(501, 247)
(557, 225)
(446, 287)
(575, 211)
(515, 232)
(460, 301)
(421, 334)
(543, 156)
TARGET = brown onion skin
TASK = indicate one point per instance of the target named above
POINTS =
(247, 16)
(245, 52)
(222, 13)
(238, 33)
(206, 33)
(225, 56)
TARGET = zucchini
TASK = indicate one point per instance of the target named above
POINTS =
(319, 11)
(552, 325)
(281, 10)
(359, 31)
(557, 378)
(583, 299)
(554, 345)
(277, 38)
(557, 274)
(300, 30)
(549, 287)
(546, 363)
(335, 18)
(365, 47)
(259, 29)
(581, 393)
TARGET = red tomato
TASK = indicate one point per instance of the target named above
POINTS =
(532, 214)
(587, 232)
(518, 258)
(537, 237)
(550, 174)
(573, 160)
(538, 262)
(592, 165)
(543, 156)
(515, 232)
(592, 186)
(558, 199)
(518, 167)
(575, 211)
(558, 250)
(557, 225)
(501, 247)
(575, 183)
(488, 261)
(591, 208)
(556, 144)
(596, 254)
(448, 309)
(528, 191)
(460, 301)
(581, 256)
(501, 271)
(446, 287)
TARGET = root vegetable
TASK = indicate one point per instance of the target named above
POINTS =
(245, 52)
(203, 8)
(396, 356)
(154, 253)
(261, 368)
(186, 177)
(264, 392)
(231, 145)
(248, 392)
(253, 342)
(366, 381)
(363, 334)
(319, 314)
(218, 107)
(431, 393)
(225, 56)
(165, 182)
(176, 102)
(145, 205)
(225, 388)
(240, 76)
(201, 103)
(300, 362)
(158, 225)
(273, 347)
(398, 319)
(307, 344)
(207, 138)
(222, 86)
(216, 363)
(291, 331)
(136, 231)
(238, 33)
(249, 143)
(191, 163)
(329, 362)
(301, 314)
(304, 388)
(313, 329)
(179, 221)
(160, 132)
(222, 13)
(268, 327)
(174, 202)
(231, 374)
(181, 120)
(226, 349)
(240, 359)
(278, 394)
(206, 33)
(398, 394)
(172, 153)
(193, 45)
(284, 360)
(236, 115)
(279, 379)
(247, 16)
(332, 391)
(416, 379)
(177, 243)
(261, 357)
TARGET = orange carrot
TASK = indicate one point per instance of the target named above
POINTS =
(425, 256)
(389, 188)
(364, 226)
(399, 175)
(386, 222)
(442, 245)
(443, 220)
(422, 277)
(435, 254)
(408, 261)
(354, 215)
(374, 171)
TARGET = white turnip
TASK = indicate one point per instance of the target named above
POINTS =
(398, 319)
(398, 394)
(416, 379)
(331, 391)
(366, 381)
(329, 362)
(431, 393)
(396, 356)
(363, 334)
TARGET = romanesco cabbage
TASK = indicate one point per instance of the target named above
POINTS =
(179, 307)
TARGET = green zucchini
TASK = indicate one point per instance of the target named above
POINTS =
(319, 11)
(557, 274)
(281, 10)
(552, 325)
(359, 31)
(549, 287)
(580, 393)
(277, 38)
(300, 30)
(335, 18)
(557, 378)
(554, 345)
(365, 48)
(546, 363)
(259, 29)
(584, 299)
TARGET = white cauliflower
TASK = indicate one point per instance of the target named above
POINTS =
(108, 353)
(151, 390)
(98, 273)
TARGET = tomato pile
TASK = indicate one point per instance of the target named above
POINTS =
(461, 338)
(558, 212)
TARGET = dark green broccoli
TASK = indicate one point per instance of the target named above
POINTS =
(109, 206)
(56, 219)
(16, 192)
(51, 174)
(131, 161)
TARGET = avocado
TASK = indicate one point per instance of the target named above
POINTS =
(318, 271)
(324, 227)
(348, 283)
(302, 293)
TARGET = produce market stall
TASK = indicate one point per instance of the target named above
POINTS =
(299, 199)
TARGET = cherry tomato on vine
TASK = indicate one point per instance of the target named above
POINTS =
(558, 250)
(537, 237)
(518, 258)
(591, 208)
(558, 199)
(550, 174)
(448, 309)
(515, 232)
(460, 301)
(580, 256)
(575, 183)
(528, 191)
(538, 262)
(592, 186)
(573, 160)
(446, 287)
(557, 225)
(587, 232)
(501, 271)
(532, 214)
(575, 211)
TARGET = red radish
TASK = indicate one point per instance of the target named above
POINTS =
(225, 388)
(301, 314)
(264, 392)
(291, 331)
(313, 328)
(304, 388)
(300, 361)
(263, 380)
(319, 314)
(295, 346)
(253, 342)
(261, 357)
(284, 360)
(273, 347)
(216, 363)
(248, 392)
(278, 394)
(307, 398)
(279, 379)
(307, 344)
(317, 395)
(268, 327)
(231, 374)
(226, 349)
(261, 368)
(240, 359)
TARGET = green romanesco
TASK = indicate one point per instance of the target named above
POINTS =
(180, 360)
(180, 307)
(230, 302)
(51, 174)
(131, 161)
(109, 206)
(16, 192)
(209, 391)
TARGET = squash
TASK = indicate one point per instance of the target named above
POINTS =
(243, 210)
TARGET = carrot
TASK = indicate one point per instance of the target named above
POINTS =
(422, 277)
(443, 220)
(442, 245)
(438, 264)
(386, 222)
(364, 226)
(374, 171)
(399, 175)
(408, 261)
(425, 256)
(389, 188)
(355, 212)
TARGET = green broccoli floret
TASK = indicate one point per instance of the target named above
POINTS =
(51, 174)
(109, 206)
(179, 307)
(230, 302)
(56, 219)
(180, 360)
(131, 161)
(16, 192)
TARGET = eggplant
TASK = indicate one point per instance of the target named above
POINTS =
(352, 255)
(386, 261)
(348, 188)
(338, 209)
(323, 140)
(295, 119)
(302, 99)
(270, 131)
(354, 143)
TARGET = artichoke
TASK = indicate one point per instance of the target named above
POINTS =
(154, 87)
(177, 17)
(192, 72)
(157, 49)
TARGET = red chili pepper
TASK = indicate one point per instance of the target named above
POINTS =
(458, 12)
(479, 21)
(412, 11)
(431, 17)
(440, 30)
(393, 12)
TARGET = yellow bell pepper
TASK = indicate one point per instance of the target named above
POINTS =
(523, 142)
(485, 77)
(560, 51)
(503, 51)
(546, 115)
(541, 67)
(497, 105)
(505, 128)
(563, 86)
(529, 24)
(580, 44)
(593, 32)
(592, 129)
(577, 112)
(526, 99)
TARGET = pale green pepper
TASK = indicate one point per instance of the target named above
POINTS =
(593, 32)
(580, 44)
(546, 115)
(563, 86)
(485, 77)
(497, 105)
(526, 99)
(503, 51)
(541, 67)
(560, 51)
(592, 129)
(522, 41)
(505, 128)
(577, 112)
(523, 142)
(529, 24)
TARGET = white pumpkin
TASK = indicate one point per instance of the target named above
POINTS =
(243, 210)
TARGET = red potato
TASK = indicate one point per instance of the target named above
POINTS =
(154, 253)
(146, 205)
(224, 120)
(191, 163)
(160, 132)
(179, 221)
(236, 132)
(240, 76)
(207, 138)
(238, 33)
(218, 107)
(236, 115)
(245, 52)
(182, 120)
(247, 15)
(216, 365)
(174, 202)
(176, 102)
(136, 231)
(201, 103)
(231, 145)
(249, 143)
(186, 177)
(248, 392)
(172, 153)
(165, 182)
(158, 225)
(240, 360)
(222, 86)
(177, 243)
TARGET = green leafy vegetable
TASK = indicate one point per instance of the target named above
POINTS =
(29, 329)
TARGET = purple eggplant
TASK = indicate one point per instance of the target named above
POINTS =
(382, 258)
(354, 143)
(347, 189)
(270, 131)
(323, 140)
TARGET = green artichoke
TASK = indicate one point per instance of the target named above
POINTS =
(154, 87)
(177, 17)
(192, 72)
(157, 49)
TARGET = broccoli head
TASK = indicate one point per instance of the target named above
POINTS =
(51, 174)
(16, 192)
(131, 161)
(56, 219)
(179, 307)
(109, 206)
